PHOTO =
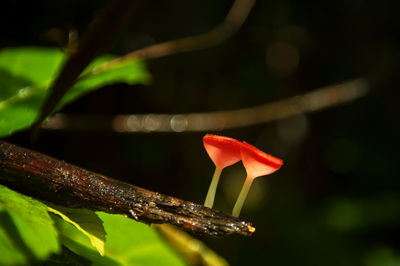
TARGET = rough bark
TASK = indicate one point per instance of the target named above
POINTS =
(56, 181)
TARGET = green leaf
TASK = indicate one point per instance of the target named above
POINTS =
(65, 258)
(133, 243)
(127, 243)
(26, 229)
(33, 65)
(9, 252)
(130, 72)
(26, 74)
(85, 221)
(195, 252)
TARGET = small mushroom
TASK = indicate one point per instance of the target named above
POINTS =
(224, 152)
(257, 163)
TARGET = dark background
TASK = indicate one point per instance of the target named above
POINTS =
(336, 199)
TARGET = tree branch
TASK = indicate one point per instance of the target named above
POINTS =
(101, 32)
(132, 123)
(55, 181)
(107, 25)
(233, 21)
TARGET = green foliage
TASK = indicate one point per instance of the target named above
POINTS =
(127, 243)
(32, 232)
(26, 229)
(26, 74)
(28, 233)
(136, 243)
(85, 221)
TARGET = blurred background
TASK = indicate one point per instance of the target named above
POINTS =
(335, 201)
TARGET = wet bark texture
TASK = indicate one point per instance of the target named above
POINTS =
(56, 181)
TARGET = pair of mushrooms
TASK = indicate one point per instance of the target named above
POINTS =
(224, 152)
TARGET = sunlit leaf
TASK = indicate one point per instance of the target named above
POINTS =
(127, 243)
(133, 243)
(195, 252)
(26, 74)
(85, 221)
(26, 230)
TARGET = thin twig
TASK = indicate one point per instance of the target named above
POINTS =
(103, 29)
(231, 24)
(106, 26)
(55, 181)
(132, 123)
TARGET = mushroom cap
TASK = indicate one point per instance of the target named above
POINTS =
(223, 151)
(257, 162)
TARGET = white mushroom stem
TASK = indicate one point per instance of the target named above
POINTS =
(209, 202)
(242, 196)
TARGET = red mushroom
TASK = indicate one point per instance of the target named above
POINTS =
(256, 163)
(224, 152)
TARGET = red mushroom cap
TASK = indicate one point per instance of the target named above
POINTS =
(258, 163)
(223, 151)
